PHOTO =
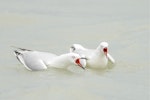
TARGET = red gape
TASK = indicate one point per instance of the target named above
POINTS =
(78, 61)
(105, 50)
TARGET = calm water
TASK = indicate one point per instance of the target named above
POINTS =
(54, 25)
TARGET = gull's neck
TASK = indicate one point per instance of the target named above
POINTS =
(97, 59)
(61, 61)
(98, 52)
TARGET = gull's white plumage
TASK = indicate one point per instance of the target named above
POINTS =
(95, 58)
(36, 60)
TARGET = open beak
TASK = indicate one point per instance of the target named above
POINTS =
(82, 66)
(84, 58)
(79, 64)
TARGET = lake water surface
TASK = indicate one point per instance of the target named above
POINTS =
(53, 26)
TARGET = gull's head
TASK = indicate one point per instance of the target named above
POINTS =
(75, 47)
(78, 60)
(103, 47)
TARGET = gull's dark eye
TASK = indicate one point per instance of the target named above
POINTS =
(73, 48)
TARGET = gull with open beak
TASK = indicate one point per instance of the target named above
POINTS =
(97, 58)
(36, 60)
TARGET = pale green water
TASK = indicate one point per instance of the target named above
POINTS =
(54, 26)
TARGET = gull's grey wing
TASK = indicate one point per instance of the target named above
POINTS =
(33, 61)
(30, 60)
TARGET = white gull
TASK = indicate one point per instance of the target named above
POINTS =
(36, 60)
(96, 58)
